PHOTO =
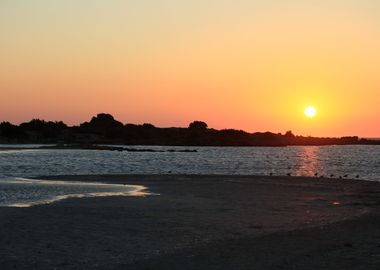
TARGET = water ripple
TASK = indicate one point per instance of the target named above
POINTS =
(360, 160)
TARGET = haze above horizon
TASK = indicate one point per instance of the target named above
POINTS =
(250, 65)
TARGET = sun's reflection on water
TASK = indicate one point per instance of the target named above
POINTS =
(308, 162)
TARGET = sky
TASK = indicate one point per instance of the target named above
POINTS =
(243, 64)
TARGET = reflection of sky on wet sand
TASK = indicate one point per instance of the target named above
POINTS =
(21, 192)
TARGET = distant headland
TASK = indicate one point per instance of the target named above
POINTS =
(104, 129)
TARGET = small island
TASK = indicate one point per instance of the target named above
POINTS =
(104, 129)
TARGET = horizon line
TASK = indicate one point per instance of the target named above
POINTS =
(140, 124)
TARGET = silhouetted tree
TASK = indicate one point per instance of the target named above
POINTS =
(289, 134)
(104, 120)
(198, 125)
(103, 124)
(40, 128)
(147, 125)
(11, 131)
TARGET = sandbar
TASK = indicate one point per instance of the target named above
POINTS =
(200, 222)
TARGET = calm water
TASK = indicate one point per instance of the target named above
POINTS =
(301, 161)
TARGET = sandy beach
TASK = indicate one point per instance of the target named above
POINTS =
(200, 222)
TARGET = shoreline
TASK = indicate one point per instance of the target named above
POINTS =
(200, 222)
(126, 177)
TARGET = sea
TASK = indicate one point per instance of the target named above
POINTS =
(19, 166)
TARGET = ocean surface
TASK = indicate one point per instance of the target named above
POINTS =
(16, 166)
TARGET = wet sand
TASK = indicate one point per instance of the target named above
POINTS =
(201, 222)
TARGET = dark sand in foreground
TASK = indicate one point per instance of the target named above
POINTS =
(201, 222)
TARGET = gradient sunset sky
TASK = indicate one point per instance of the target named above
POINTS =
(244, 64)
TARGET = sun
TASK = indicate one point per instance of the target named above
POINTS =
(310, 111)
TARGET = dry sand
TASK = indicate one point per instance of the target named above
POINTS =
(201, 222)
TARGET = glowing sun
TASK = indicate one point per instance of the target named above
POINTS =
(310, 111)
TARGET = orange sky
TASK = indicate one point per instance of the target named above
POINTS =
(252, 65)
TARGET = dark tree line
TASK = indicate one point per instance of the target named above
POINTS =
(103, 128)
